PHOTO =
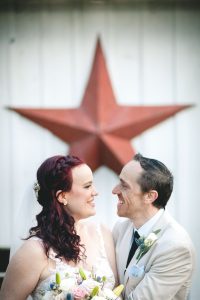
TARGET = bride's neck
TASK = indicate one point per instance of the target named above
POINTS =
(79, 226)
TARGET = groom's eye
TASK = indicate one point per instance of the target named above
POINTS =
(124, 186)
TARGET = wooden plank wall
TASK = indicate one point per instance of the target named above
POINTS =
(153, 56)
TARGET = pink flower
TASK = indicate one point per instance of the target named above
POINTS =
(80, 293)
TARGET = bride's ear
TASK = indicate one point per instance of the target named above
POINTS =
(61, 197)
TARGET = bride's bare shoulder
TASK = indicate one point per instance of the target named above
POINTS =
(31, 249)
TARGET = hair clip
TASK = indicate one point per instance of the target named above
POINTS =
(36, 188)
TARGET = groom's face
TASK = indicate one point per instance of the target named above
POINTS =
(130, 197)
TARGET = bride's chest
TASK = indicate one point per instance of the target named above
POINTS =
(94, 249)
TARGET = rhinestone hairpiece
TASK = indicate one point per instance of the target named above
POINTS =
(36, 188)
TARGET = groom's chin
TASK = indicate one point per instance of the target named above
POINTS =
(119, 213)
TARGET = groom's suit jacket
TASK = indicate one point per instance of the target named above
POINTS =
(168, 265)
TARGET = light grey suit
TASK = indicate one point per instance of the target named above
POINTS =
(168, 265)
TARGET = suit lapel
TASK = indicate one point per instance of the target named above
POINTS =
(123, 250)
(160, 224)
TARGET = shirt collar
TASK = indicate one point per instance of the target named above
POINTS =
(145, 229)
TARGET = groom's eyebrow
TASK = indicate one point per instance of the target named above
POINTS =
(123, 182)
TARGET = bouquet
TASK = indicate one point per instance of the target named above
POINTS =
(81, 285)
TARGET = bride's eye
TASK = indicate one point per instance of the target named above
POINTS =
(88, 186)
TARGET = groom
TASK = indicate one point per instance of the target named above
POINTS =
(161, 267)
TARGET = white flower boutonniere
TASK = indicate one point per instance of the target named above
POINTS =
(144, 244)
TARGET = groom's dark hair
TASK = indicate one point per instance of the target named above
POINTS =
(155, 176)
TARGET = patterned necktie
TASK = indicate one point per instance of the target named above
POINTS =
(133, 247)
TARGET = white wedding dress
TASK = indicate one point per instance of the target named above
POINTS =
(100, 267)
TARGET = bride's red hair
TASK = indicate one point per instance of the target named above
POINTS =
(55, 227)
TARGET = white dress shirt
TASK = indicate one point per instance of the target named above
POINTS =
(145, 229)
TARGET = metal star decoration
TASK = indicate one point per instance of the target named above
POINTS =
(100, 130)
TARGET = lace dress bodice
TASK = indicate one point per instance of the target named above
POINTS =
(100, 267)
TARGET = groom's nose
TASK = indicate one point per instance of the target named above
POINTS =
(115, 189)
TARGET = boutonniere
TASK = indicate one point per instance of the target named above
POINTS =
(144, 244)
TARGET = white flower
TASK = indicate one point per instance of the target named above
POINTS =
(146, 243)
(108, 294)
(47, 296)
(89, 284)
(61, 296)
(98, 298)
(67, 284)
(151, 238)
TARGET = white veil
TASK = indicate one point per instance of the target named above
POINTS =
(24, 218)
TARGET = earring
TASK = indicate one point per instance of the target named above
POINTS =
(65, 202)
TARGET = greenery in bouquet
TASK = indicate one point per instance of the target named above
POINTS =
(82, 285)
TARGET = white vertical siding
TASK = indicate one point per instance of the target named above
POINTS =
(153, 57)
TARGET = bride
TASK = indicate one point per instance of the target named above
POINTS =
(63, 241)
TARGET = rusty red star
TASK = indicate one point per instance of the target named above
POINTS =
(100, 130)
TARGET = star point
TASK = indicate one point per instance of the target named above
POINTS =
(100, 130)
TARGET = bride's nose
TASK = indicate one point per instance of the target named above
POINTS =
(94, 192)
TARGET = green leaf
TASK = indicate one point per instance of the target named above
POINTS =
(117, 291)
(95, 291)
(58, 279)
(82, 273)
(157, 231)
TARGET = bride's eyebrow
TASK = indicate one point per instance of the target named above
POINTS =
(88, 182)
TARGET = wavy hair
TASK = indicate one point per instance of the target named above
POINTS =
(54, 225)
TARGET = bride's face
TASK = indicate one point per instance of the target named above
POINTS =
(80, 199)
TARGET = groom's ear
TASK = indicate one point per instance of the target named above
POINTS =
(151, 196)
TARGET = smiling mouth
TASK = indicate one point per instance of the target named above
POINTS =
(120, 202)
